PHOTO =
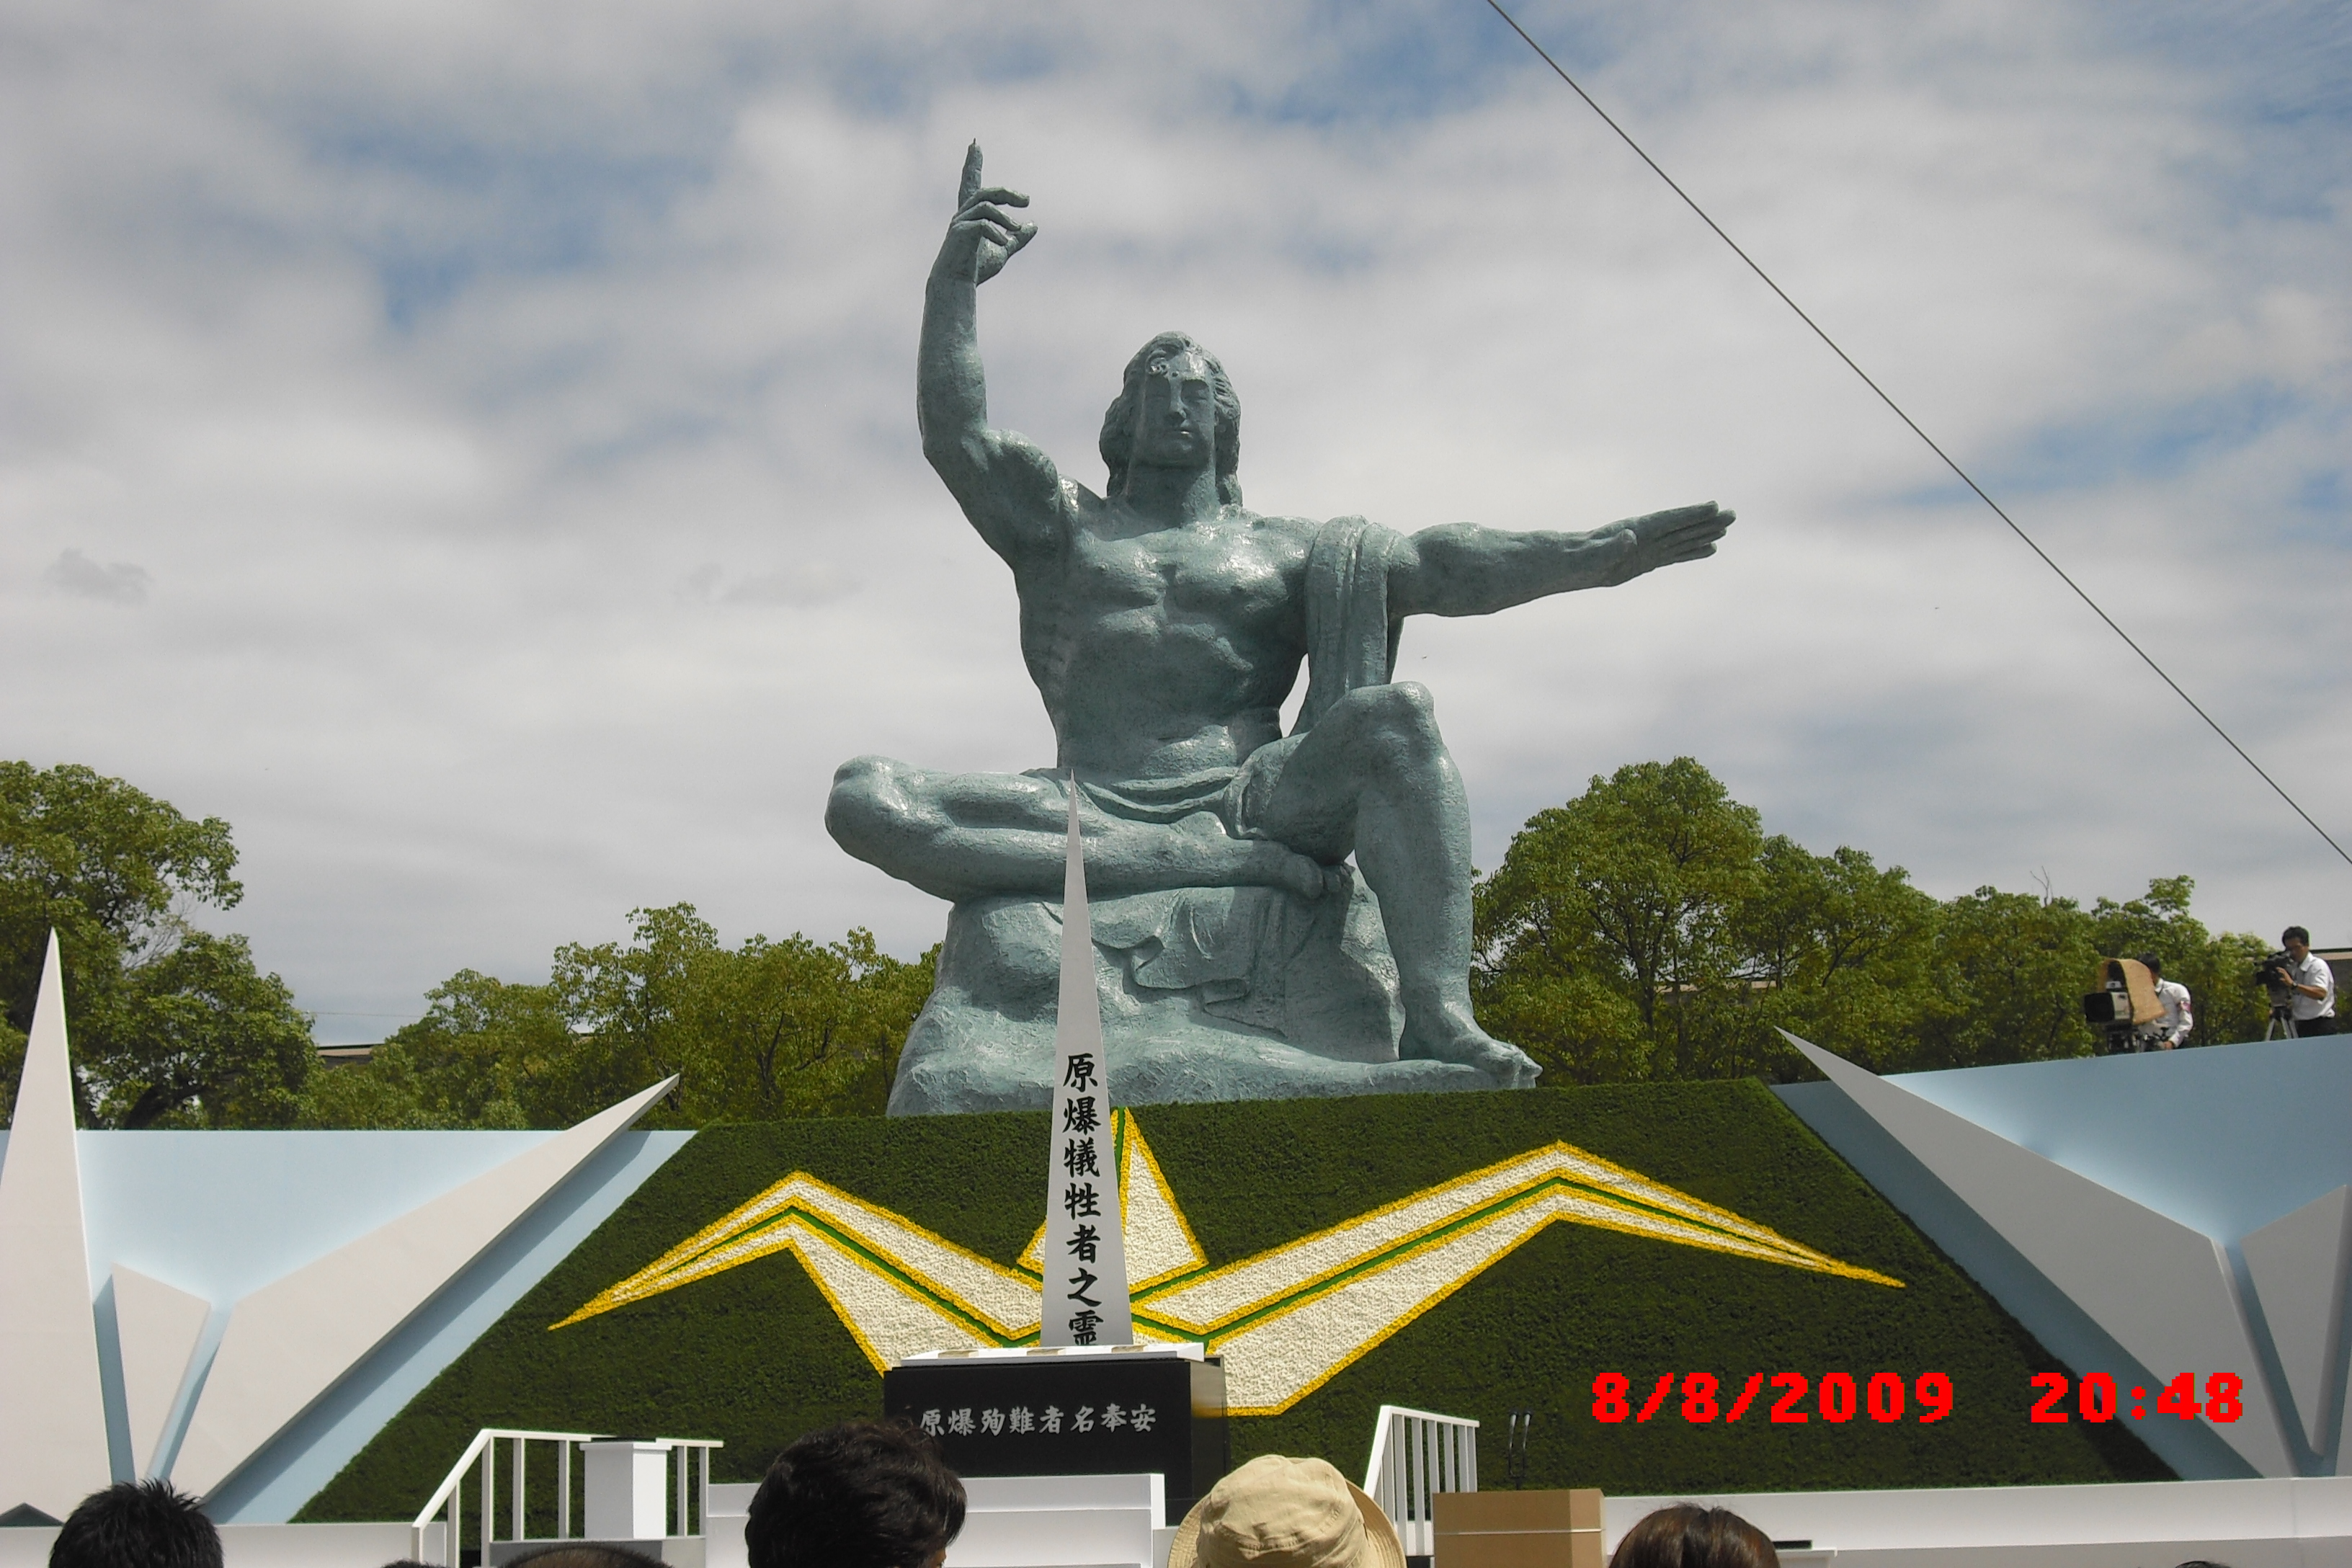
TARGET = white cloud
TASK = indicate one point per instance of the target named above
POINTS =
(518, 401)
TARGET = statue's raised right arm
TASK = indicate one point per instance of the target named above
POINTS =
(1007, 487)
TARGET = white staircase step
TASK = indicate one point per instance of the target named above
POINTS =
(989, 1493)
(1053, 1538)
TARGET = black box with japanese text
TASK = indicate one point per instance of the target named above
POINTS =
(1080, 1412)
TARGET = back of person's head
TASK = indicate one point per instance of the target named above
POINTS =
(2152, 964)
(137, 1524)
(865, 1494)
(586, 1556)
(1685, 1535)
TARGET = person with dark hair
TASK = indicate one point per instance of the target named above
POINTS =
(137, 1524)
(865, 1494)
(2312, 983)
(584, 1554)
(2170, 1031)
(1685, 1535)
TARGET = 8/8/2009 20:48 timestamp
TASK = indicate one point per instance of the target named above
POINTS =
(1839, 1396)
(2097, 1398)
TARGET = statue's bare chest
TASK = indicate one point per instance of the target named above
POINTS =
(1241, 576)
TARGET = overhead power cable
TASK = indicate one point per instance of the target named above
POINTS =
(2145, 657)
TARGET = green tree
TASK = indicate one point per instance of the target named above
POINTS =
(2011, 970)
(1834, 948)
(170, 1025)
(760, 1032)
(1606, 940)
(1649, 929)
(795, 1028)
(486, 1054)
(636, 1003)
(767, 1030)
(196, 1036)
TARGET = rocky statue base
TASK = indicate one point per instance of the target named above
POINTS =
(1207, 993)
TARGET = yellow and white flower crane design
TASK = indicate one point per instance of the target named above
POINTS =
(1285, 1321)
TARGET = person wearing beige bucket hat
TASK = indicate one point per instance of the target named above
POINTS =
(1274, 1512)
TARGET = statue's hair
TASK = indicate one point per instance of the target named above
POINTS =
(1117, 443)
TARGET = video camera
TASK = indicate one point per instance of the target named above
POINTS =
(2272, 975)
(2124, 1001)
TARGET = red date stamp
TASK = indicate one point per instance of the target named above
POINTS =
(2097, 1398)
(1794, 1399)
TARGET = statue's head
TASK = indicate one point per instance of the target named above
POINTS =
(1169, 361)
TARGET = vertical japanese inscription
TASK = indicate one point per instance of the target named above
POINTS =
(1085, 1257)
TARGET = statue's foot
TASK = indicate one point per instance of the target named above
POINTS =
(1457, 1037)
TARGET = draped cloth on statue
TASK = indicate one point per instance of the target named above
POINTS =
(1188, 975)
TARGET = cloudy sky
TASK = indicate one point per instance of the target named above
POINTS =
(470, 446)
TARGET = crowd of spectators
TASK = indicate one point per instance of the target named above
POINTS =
(876, 1494)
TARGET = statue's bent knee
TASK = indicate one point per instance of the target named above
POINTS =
(1402, 705)
(1407, 703)
(1395, 726)
(865, 800)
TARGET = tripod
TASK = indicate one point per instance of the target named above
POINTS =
(2281, 1022)
(1514, 1454)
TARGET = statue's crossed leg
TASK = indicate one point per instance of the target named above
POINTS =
(1371, 778)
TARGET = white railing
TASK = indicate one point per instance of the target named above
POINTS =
(687, 1479)
(1416, 1454)
(688, 1494)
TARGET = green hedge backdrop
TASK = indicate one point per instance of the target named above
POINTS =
(755, 1356)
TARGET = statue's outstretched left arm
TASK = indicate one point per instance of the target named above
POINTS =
(1465, 570)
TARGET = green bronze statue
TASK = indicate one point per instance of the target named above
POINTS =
(1242, 956)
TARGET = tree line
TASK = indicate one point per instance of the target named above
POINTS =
(1649, 929)
(759, 1032)
(170, 1025)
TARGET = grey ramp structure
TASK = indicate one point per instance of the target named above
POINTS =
(2296, 1265)
(2166, 1296)
(201, 1387)
(158, 1329)
(53, 1438)
(288, 1343)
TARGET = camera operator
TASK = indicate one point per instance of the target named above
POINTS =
(2172, 1029)
(2312, 983)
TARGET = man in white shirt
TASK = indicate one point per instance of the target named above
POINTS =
(2314, 1007)
(2172, 1029)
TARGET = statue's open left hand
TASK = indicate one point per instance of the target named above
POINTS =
(1663, 538)
(983, 235)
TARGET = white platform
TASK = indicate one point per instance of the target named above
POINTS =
(2302, 1523)
(722, 1533)
(1061, 1522)
(1012, 1521)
